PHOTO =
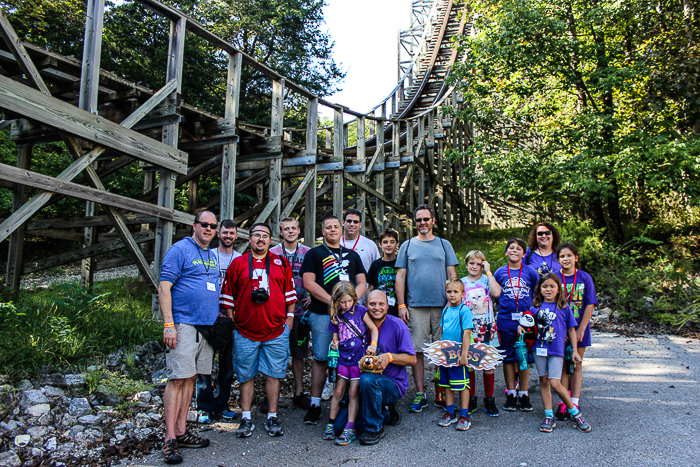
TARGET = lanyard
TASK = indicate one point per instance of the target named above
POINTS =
(569, 296)
(206, 265)
(292, 261)
(549, 266)
(517, 297)
(353, 247)
(218, 263)
(338, 257)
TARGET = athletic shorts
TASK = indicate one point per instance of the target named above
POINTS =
(252, 357)
(299, 339)
(454, 377)
(551, 366)
(424, 325)
(189, 357)
(350, 372)
(320, 335)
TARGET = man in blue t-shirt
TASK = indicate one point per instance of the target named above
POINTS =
(188, 294)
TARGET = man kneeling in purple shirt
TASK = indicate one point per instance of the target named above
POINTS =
(396, 352)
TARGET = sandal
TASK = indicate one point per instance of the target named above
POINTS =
(171, 454)
(188, 440)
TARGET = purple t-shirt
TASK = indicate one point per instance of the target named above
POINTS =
(552, 326)
(295, 259)
(351, 347)
(583, 295)
(394, 337)
(508, 315)
(543, 264)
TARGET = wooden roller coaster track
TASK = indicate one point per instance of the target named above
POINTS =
(108, 123)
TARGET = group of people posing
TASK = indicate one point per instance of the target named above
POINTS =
(349, 301)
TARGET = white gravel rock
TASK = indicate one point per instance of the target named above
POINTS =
(75, 381)
(38, 410)
(9, 459)
(51, 392)
(79, 407)
(32, 397)
(22, 440)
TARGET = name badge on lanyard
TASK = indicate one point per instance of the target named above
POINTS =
(541, 352)
(516, 316)
(211, 287)
(392, 301)
(344, 277)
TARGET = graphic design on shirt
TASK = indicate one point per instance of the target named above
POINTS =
(347, 336)
(545, 330)
(386, 278)
(510, 286)
(576, 300)
(477, 299)
(331, 268)
(544, 268)
(208, 263)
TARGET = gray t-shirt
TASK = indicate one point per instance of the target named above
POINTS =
(425, 264)
(223, 262)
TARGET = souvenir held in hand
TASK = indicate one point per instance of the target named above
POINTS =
(370, 364)
(447, 353)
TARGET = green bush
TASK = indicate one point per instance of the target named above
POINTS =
(66, 326)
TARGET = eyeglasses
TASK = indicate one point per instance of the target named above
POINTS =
(544, 232)
(262, 236)
(206, 225)
(353, 221)
(424, 219)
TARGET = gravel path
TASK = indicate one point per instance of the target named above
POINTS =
(640, 396)
(44, 279)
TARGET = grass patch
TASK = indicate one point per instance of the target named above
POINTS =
(65, 326)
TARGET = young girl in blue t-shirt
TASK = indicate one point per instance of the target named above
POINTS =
(554, 321)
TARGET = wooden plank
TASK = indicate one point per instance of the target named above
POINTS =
(16, 243)
(192, 173)
(311, 193)
(79, 222)
(375, 193)
(18, 98)
(361, 159)
(372, 219)
(276, 130)
(338, 146)
(230, 151)
(92, 51)
(20, 53)
(77, 255)
(379, 177)
(310, 177)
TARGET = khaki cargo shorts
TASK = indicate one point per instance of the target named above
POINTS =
(424, 325)
(189, 357)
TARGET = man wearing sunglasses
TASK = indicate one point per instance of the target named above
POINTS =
(423, 265)
(352, 239)
(188, 294)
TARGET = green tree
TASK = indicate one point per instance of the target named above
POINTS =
(584, 108)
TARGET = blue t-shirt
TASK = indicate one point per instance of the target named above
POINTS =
(190, 268)
(454, 321)
(515, 292)
(543, 264)
(552, 325)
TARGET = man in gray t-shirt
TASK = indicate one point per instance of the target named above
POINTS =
(424, 264)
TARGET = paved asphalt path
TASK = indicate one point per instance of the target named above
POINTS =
(640, 395)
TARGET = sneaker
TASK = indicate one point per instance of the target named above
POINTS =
(171, 454)
(370, 438)
(245, 429)
(581, 423)
(263, 406)
(328, 391)
(329, 434)
(548, 425)
(439, 396)
(418, 403)
(313, 415)
(273, 427)
(490, 407)
(227, 415)
(441, 404)
(463, 424)
(188, 440)
(524, 403)
(472, 404)
(302, 401)
(394, 416)
(346, 437)
(562, 413)
(511, 403)
(448, 419)
(204, 417)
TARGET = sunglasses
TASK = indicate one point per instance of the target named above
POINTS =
(206, 225)
(544, 232)
(423, 219)
(353, 221)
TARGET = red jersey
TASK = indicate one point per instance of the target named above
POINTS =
(258, 321)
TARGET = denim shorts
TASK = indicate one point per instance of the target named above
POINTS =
(320, 335)
(549, 366)
(252, 357)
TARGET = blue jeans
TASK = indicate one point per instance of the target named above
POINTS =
(206, 399)
(376, 391)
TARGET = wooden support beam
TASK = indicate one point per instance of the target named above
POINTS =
(230, 151)
(396, 179)
(77, 255)
(361, 160)
(309, 178)
(311, 149)
(379, 177)
(21, 99)
(16, 244)
(338, 182)
(375, 193)
(79, 222)
(372, 219)
(276, 130)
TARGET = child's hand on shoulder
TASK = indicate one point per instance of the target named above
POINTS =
(372, 349)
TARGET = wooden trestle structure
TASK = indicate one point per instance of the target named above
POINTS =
(108, 123)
